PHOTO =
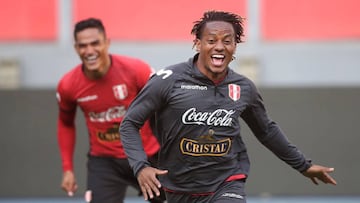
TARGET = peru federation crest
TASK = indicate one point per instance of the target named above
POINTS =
(120, 91)
(234, 92)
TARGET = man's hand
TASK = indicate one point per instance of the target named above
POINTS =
(68, 183)
(317, 172)
(148, 181)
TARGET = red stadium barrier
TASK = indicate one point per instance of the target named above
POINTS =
(292, 20)
(28, 20)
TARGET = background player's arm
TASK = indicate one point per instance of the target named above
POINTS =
(66, 140)
(143, 73)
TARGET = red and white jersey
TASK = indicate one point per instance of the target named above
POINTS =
(104, 103)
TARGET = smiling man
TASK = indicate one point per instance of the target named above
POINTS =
(103, 86)
(196, 106)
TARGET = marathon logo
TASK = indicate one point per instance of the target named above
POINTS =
(232, 195)
(206, 146)
(86, 99)
(193, 87)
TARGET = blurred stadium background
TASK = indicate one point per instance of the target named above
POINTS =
(304, 56)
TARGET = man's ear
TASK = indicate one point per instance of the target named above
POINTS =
(108, 41)
(197, 45)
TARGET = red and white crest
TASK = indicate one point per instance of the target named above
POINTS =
(234, 91)
(120, 91)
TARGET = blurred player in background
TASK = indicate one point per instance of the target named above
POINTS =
(103, 87)
(197, 107)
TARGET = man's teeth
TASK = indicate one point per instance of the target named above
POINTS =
(218, 56)
(91, 58)
(217, 59)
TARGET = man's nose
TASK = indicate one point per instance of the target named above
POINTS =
(219, 46)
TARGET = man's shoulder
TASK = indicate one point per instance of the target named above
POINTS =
(130, 65)
(126, 60)
(233, 75)
(178, 68)
(74, 74)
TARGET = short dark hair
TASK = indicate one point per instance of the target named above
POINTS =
(235, 20)
(89, 23)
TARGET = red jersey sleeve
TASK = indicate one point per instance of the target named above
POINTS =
(66, 125)
(143, 73)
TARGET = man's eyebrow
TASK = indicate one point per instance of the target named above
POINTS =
(85, 43)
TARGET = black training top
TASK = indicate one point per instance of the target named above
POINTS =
(197, 124)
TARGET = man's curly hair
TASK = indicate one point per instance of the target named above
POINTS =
(235, 20)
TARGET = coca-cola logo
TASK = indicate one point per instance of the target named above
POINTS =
(109, 115)
(219, 117)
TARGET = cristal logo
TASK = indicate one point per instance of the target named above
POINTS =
(200, 148)
(220, 117)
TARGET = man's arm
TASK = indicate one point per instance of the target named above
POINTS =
(66, 142)
(148, 101)
(66, 138)
(270, 135)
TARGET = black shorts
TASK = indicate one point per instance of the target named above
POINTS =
(228, 192)
(108, 179)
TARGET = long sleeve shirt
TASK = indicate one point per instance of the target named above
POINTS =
(198, 127)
